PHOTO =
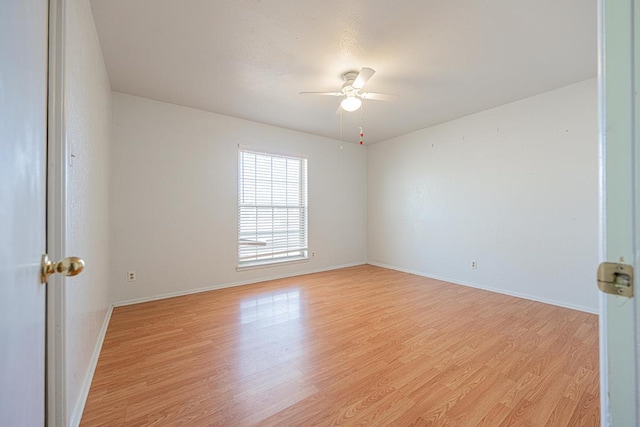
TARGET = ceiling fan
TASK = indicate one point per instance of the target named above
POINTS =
(351, 96)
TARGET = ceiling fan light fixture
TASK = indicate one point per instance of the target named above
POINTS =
(351, 103)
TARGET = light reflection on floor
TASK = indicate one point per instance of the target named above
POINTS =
(270, 346)
(270, 309)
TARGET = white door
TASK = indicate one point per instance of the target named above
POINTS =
(23, 132)
(620, 237)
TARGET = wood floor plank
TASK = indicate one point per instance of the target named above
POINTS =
(355, 346)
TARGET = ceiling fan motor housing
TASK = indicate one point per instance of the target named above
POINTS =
(349, 78)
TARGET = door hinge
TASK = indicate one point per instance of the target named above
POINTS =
(616, 279)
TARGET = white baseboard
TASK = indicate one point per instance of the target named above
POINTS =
(490, 289)
(76, 416)
(231, 284)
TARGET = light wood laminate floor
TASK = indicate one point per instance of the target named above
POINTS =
(361, 345)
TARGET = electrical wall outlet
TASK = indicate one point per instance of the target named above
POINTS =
(131, 276)
(313, 254)
(474, 264)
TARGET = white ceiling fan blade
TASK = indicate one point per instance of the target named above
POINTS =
(339, 110)
(378, 96)
(364, 75)
(322, 93)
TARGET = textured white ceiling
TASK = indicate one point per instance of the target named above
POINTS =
(249, 58)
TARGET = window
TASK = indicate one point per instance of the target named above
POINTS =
(272, 208)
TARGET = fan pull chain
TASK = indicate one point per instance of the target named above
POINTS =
(361, 119)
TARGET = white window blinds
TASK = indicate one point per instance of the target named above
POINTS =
(272, 208)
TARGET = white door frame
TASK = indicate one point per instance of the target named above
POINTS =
(57, 154)
(618, 68)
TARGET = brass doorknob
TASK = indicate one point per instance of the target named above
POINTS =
(70, 266)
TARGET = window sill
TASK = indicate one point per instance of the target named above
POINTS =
(258, 265)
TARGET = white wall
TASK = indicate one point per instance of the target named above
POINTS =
(88, 127)
(174, 198)
(514, 187)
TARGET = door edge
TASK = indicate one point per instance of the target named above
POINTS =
(57, 153)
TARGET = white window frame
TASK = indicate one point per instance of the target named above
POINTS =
(273, 226)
